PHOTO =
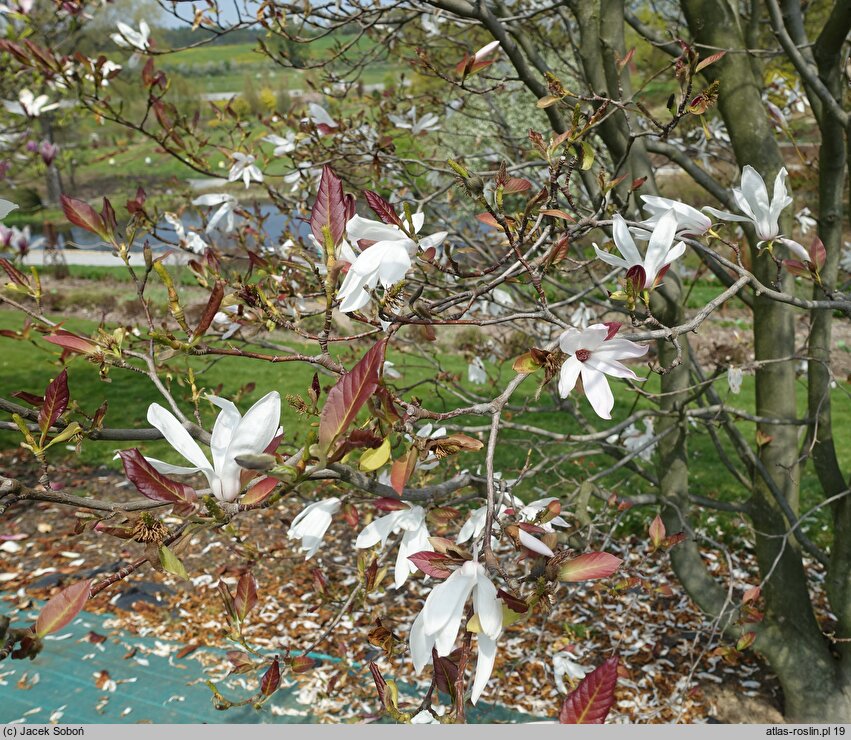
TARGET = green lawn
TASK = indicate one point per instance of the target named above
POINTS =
(30, 365)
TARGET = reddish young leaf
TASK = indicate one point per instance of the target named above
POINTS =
(329, 208)
(30, 398)
(704, 63)
(56, 398)
(349, 394)
(382, 208)
(588, 567)
(213, 303)
(516, 185)
(592, 699)
(15, 275)
(402, 469)
(389, 504)
(752, 594)
(558, 213)
(62, 608)
(81, 214)
(271, 679)
(657, 532)
(302, 664)
(380, 683)
(152, 484)
(260, 491)
(246, 596)
(431, 563)
(72, 342)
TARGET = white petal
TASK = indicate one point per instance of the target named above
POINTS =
(484, 665)
(567, 378)
(597, 391)
(169, 469)
(176, 435)
(359, 228)
(623, 240)
(445, 604)
(486, 605)
(533, 543)
(421, 644)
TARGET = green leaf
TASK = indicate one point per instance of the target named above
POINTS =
(172, 564)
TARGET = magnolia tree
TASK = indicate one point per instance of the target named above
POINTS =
(504, 189)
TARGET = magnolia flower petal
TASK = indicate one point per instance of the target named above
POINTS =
(169, 469)
(177, 436)
(6, 207)
(474, 525)
(352, 294)
(659, 245)
(226, 423)
(617, 348)
(486, 604)
(484, 665)
(597, 391)
(445, 604)
(611, 259)
(420, 644)
(433, 240)
(378, 530)
(359, 228)
(726, 215)
(533, 543)
(611, 367)
(624, 241)
(567, 378)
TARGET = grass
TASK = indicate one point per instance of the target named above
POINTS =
(29, 365)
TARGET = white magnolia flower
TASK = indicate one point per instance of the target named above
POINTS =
(424, 717)
(634, 440)
(283, 145)
(805, 218)
(845, 259)
(498, 303)
(437, 625)
(411, 521)
(660, 249)
(431, 22)
(226, 204)
(563, 665)
(320, 117)
(387, 261)
(423, 124)
(476, 372)
(312, 523)
(128, 37)
(582, 316)
(689, 220)
(6, 207)
(243, 167)
(595, 353)
(233, 435)
(753, 202)
(29, 104)
(530, 511)
(190, 240)
(427, 431)
(734, 379)
(390, 371)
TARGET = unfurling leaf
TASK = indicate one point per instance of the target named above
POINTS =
(752, 594)
(271, 679)
(56, 398)
(657, 532)
(260, 491)
(349, 394)
(433, 563)
(402, 469)
(151, 483)
(329, 208)
(81, 214)
(592, 699)
(62, 608)
(72, 342)
(588, 567)
(373, 459)
(527, 364)
(215, 300)
(745, 641)
(246, 596)
(171, 563)
(382, 208)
